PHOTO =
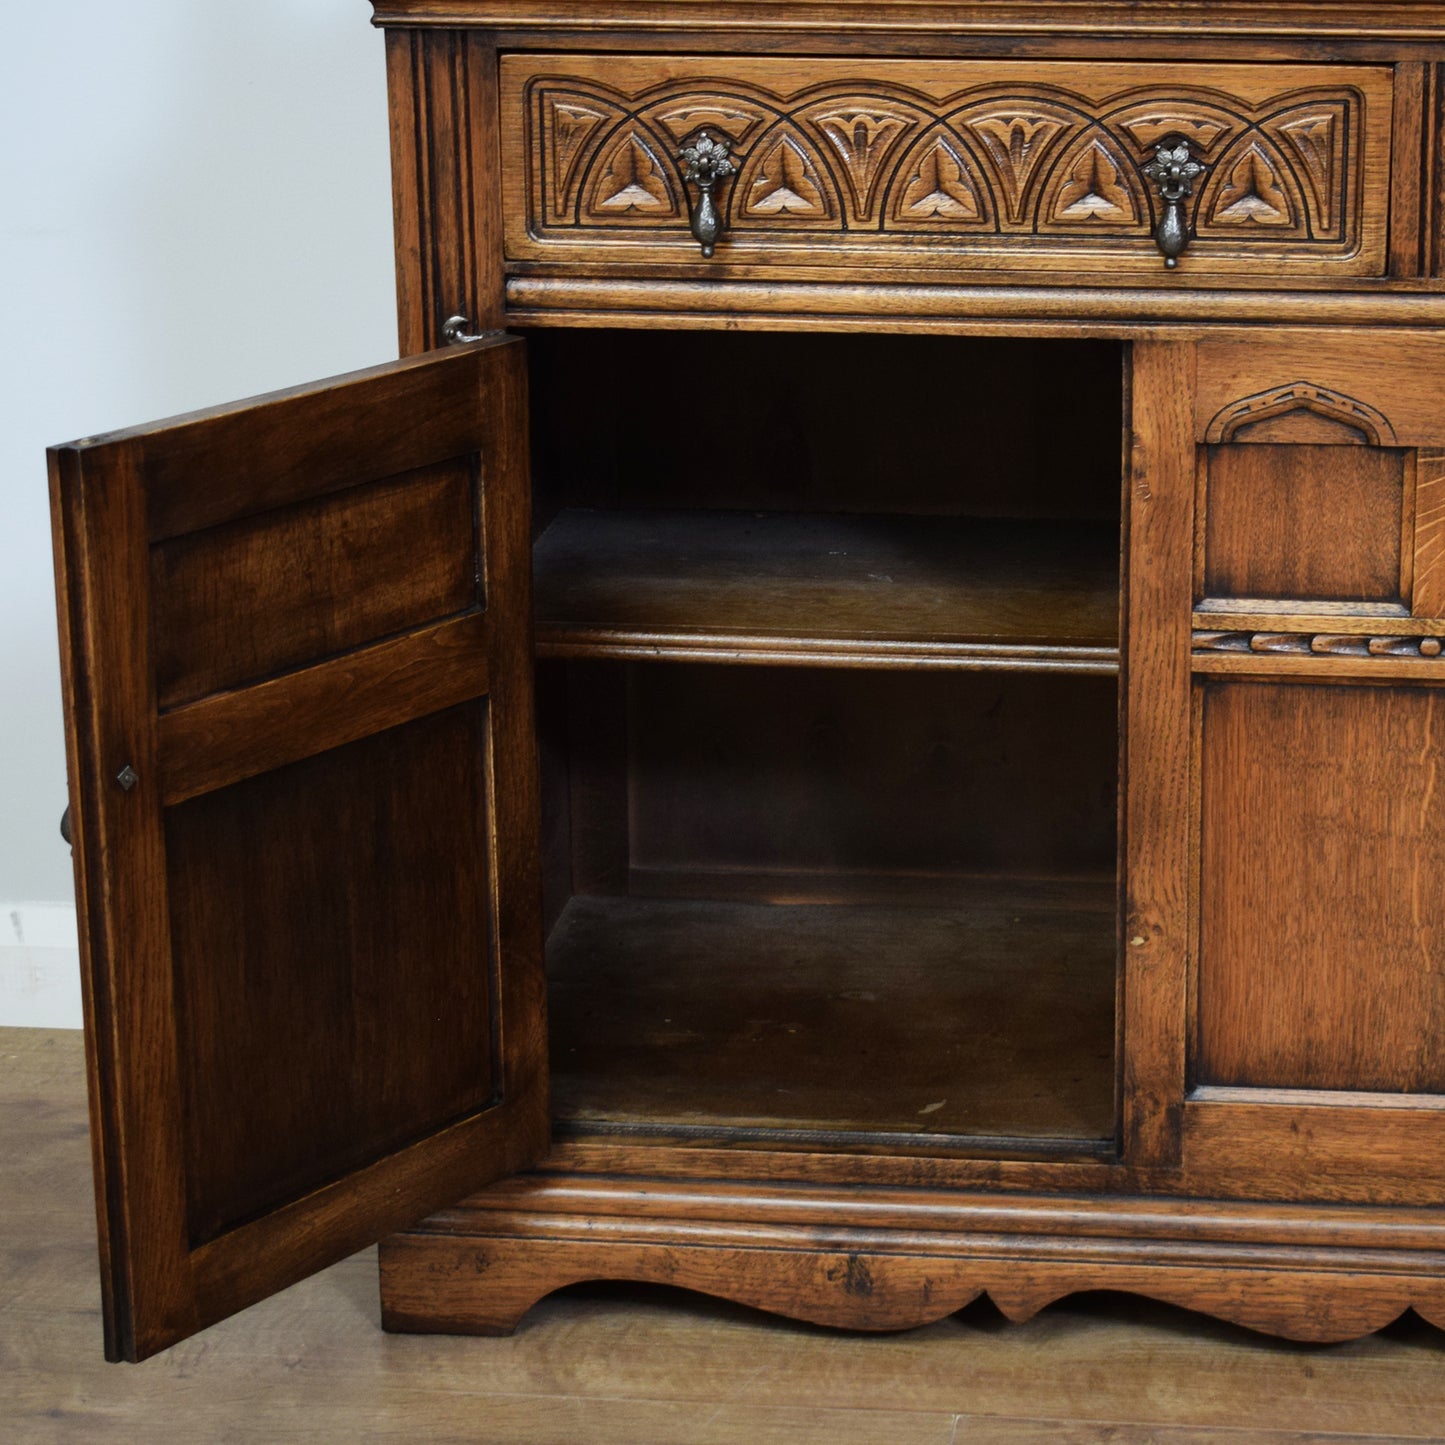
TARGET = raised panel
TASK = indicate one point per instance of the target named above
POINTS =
(1321, 911)
(376, 855)
(318, 578)
(1305, 522)
(947, 162)
(312, 955)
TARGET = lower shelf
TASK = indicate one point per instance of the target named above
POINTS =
(992, 1022)
(889, 1260)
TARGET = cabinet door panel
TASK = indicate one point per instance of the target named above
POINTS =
(1322, 910)
(298, 672)
(1294, 946)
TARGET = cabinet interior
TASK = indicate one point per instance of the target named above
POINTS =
(827, 631)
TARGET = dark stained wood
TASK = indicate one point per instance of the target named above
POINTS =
(1322, 832)
(838, 783)
(1410, 175)
(230, 462)
(223, 932)
(1011, 304)
(320, 578)
(869, 590)
(390, 706)
(370, 852)
(1291, 1271)
(796, 423)
(223, 739)
(445, 203)
(992, 1019)
(1068, 19)
(1304, 522)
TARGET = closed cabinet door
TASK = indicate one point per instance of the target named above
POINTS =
(1285, 943)
(297, 655)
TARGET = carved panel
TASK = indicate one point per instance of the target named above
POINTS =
(785, 181)
(866, 138)
(1249, 189)
(1326, 644)
(1361, 423)
(631, 178)
(992, 151)
(935, 187)
(1097, 184)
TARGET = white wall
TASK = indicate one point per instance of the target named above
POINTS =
(194, 207)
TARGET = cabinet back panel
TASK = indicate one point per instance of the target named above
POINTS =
(373, 884)
(943, 426)
(1322, 915)
(282, 588)
(796, 782)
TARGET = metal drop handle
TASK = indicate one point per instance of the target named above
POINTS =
(1173, 171)
(705, 163)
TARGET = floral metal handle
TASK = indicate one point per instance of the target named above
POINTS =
(706, 162)
(1173, 171)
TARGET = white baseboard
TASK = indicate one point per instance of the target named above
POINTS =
(39, 966)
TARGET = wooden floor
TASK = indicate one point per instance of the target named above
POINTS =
(606, 1364)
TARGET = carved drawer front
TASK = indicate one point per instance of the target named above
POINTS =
(946, 164)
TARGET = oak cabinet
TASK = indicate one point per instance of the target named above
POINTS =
(892, 760)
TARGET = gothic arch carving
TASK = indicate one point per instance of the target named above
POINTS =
(1362, 423)
(939, 184)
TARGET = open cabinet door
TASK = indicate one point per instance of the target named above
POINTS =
(1291, 640)
(298, 675)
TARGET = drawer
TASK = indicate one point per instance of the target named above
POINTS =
(946, 164)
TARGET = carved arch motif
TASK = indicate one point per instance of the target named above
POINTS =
(633, 176)
(1095, 184)
(1370, 427)
(874, 156)
(786, 180)
(938, 185)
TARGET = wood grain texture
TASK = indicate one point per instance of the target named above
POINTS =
(1072, 19)
(169, 949)
(1394, 376)
(1322, 834)
(1307, 1274)
(1156, 749)
(731, 585)
(1410, 175)
(1304, 522)
(899, 301)
(320, 579)
(945, 164)
(994, 1019)
(632, 1365)
(446, 213)
(837, 784)
(371, 944)
(1427, 591)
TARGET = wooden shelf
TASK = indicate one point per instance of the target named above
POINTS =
(828, 589)
(858, 1022)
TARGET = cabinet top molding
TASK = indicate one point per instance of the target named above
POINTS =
(1400, 20)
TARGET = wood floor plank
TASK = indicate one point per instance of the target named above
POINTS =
(607, 1363)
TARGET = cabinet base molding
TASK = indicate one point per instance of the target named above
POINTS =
(893, 1260)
